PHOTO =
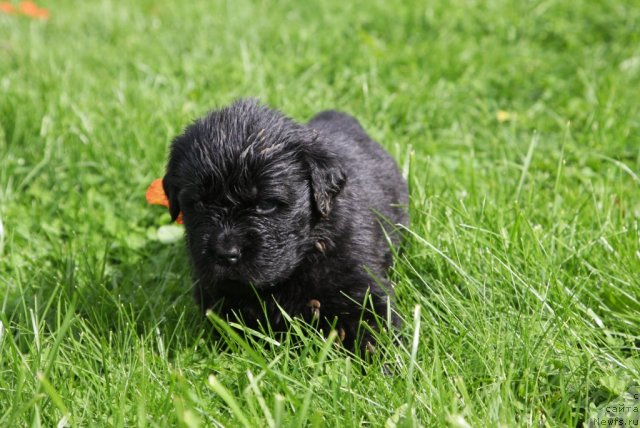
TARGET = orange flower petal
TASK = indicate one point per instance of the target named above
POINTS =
(7, 7)
(32, 10)
(155, 195)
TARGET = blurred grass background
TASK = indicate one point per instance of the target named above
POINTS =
(519, 121)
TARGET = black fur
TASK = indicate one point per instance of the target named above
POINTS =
(283, 214)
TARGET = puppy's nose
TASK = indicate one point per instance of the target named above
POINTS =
(230, 254)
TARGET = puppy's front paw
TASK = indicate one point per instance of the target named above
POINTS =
(369, 348)
(314, 306)
(342, 334)
(321, 246)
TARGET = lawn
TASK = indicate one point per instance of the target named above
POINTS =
(517, 122)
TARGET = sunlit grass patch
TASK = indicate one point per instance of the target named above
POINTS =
(516, 124)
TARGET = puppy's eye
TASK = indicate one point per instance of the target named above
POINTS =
(267, 206)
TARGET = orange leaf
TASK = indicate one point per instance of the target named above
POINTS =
(155, 195)
(7, 7)
(32, 10)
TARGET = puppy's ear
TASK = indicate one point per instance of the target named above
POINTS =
(327, 176)
(172, 190)
(171, 182)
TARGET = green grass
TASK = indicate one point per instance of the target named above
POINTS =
(523, 253)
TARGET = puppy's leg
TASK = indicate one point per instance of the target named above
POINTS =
(371, 314)
(204, 298)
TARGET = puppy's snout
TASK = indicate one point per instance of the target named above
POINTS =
(229, 254)
(226, 247)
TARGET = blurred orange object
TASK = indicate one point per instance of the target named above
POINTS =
(155, 193)
(6, 7)
(156, 196)
(26, 8)
(32, 10)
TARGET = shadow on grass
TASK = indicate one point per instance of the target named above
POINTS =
(142, 291)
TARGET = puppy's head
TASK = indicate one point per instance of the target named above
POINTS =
(251, 184)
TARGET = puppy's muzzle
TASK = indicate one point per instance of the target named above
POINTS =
(228, 254)
(225, 248)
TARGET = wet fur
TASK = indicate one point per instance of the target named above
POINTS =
(317, 254)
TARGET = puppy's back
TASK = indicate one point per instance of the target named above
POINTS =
(333, 121)
(372, 173)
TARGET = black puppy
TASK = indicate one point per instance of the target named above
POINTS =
(283, 214)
